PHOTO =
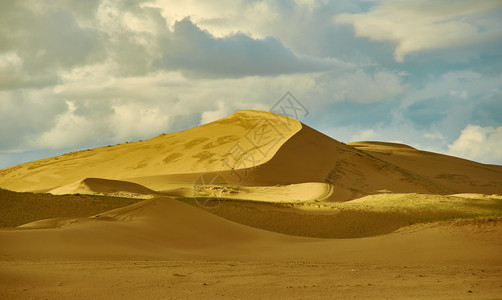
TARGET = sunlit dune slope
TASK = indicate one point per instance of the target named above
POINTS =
(201, 149)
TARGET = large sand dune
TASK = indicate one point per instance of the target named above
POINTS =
(253, 148)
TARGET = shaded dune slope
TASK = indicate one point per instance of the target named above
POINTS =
(457, 174)
(20, 208)
(312, 156)
(102, 186)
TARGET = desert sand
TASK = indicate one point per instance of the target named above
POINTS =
(254, 205)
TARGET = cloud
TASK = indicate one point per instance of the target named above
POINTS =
(136, 120)
(24, 114)
(364, 135)
(47, 35)
(210, 116)
(478, 143)
(303, 26)
(427, 25)
(434, 136)
(192, 49)
(361, 86)
(70, 130)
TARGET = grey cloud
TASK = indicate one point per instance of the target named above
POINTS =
(49, 39)
(22, 118)
(192, 49)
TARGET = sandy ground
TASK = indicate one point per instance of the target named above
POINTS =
(162, 248)
(244, 280)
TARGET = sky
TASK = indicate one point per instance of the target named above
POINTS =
(81, 74)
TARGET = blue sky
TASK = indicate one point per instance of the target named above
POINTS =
(81, 74)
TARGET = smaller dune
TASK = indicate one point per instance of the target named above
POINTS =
(367, 216)
(158, 228)
(103, 186)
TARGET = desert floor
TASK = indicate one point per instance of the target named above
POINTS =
(237, 280)
(165, 249)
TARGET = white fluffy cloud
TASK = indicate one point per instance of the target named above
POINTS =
(478, 143)
(425, 25)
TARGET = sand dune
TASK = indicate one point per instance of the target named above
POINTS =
(164, 228)
(367, 216)
(252, 148)
(309, 191)
(201, 149)
(456, 174)
(312, 156)
(104, 186)
(20, 208)
(160, 228)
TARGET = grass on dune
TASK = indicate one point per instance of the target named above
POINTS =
(21, 208)
(369, 216)
(374, 215)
